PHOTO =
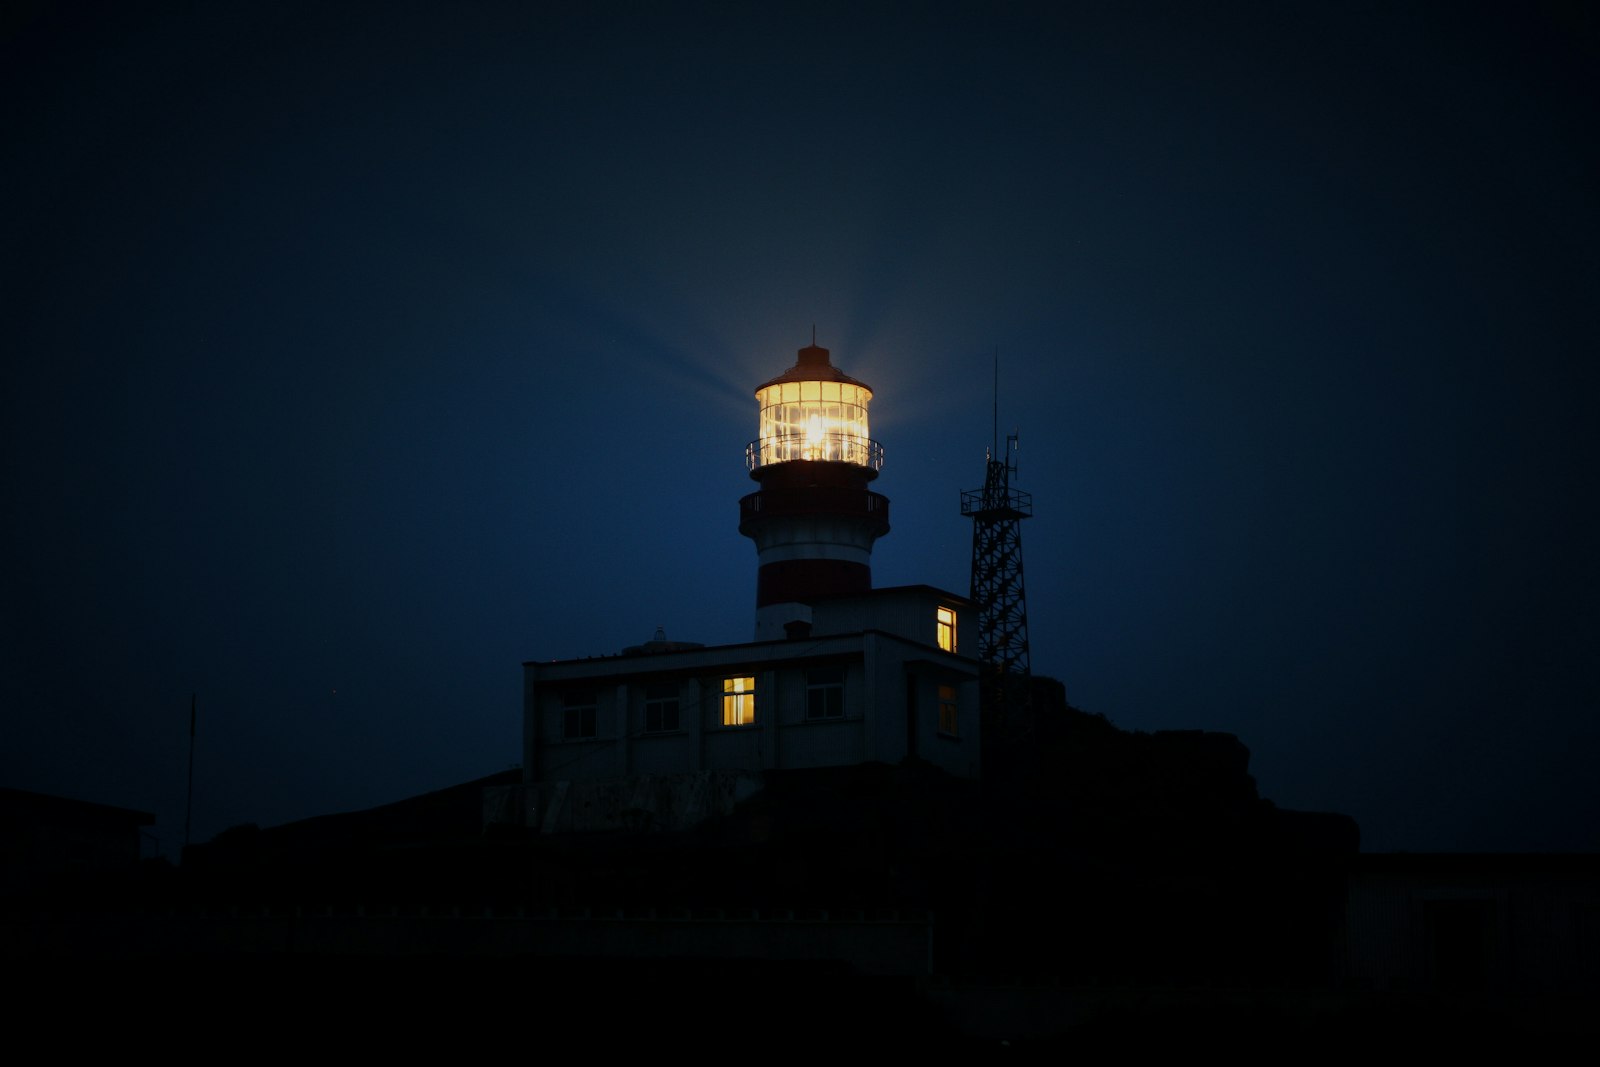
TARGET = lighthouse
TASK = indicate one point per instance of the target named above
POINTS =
(813, 520)
(839, 673)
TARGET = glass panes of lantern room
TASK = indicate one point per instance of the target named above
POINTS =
(814, 420)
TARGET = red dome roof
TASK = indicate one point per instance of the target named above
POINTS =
(813, 366)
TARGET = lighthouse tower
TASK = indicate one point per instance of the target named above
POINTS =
(813, 519)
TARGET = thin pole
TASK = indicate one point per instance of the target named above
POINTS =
(188, 813)
(996, 445)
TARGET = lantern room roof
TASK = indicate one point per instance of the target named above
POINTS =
(813, 366)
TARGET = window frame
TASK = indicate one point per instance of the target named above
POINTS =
(739, 704)
(827, 685)
(949, 711)
(580, 714)
(944, 634)
(667, 709)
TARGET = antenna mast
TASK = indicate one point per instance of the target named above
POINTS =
(994, 449)
(188, 804)
(997, 511)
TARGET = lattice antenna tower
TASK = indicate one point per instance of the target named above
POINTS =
(997, 511)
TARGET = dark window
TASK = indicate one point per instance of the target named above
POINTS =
(825, 693)
(577, 714)
(949, 717)
(660, 708)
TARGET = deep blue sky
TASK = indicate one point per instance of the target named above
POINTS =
(354, 356)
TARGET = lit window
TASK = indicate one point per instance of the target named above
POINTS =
(738, 701)
(825, 693)
(660, 708)
(947, 629)
(577, 714)
(948, 719)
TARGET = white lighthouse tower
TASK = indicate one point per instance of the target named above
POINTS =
(813, 519)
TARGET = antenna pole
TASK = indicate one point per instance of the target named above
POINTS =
(188, 811)
(996, 432)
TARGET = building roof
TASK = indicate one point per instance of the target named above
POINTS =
(23, 804)
(662, 648)
(816, 646)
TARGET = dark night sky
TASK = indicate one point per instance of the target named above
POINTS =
(353, 358)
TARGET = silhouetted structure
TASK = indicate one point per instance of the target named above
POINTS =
(47, 840)
(997, 511)
(1473, 924)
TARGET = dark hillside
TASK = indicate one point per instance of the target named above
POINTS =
(1089, 852)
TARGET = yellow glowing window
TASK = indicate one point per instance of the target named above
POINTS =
(948, 718)
(738, 701)
(947, 629)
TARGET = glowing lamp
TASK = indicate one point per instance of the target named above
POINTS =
(814, 411)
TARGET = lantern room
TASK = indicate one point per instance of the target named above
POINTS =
(814, 411)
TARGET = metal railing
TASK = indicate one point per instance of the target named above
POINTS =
(829, 448)
(997, 500)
